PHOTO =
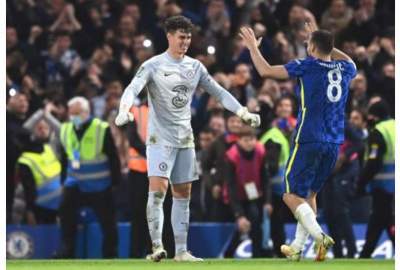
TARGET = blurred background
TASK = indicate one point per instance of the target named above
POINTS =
(59, 49)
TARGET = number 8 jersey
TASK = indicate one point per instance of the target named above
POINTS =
(322, 91)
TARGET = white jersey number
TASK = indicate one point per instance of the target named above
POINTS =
(334, 83)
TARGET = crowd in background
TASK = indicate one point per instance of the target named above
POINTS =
(59, 49)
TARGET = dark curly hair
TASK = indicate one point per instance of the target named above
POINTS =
(174, 23)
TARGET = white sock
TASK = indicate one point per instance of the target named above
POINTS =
(155, 216)
(305, 215)
(180, 223)
(301, 237)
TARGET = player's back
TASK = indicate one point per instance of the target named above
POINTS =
(322, 92)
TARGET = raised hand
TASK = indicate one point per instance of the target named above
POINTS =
(249, 39)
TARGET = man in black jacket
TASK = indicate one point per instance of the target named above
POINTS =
(213, 168)
(16, 139)
(379, 174)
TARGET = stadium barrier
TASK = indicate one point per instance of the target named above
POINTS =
(208, 240)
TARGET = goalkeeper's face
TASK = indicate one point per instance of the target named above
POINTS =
(179, 41)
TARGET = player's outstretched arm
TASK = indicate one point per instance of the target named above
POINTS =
(226, 99)
(129, 95)
(262, 66)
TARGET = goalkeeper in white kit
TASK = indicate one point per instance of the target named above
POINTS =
(171, 79)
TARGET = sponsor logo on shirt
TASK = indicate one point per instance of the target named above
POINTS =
(181, 98)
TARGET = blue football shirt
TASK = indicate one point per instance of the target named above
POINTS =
(322, 90)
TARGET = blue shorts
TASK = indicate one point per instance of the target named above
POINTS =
(308, 167)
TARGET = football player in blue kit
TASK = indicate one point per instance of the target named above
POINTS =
(323, 85)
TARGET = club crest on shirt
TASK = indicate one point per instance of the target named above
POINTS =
(181, 98)
(189, 74)
(163, 166)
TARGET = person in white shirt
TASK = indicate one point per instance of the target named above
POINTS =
(171, 79)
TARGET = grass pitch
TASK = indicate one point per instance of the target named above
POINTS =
(208, 264)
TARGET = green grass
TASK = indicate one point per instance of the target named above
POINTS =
(209, 264)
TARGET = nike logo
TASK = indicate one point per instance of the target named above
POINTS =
(167, 74)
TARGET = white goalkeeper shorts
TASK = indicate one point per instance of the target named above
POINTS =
(176, 164)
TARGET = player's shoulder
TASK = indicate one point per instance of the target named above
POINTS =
(305, 60)
(192, 61)
(348, 64)
(194, 64)
(154, 61)
(302, 62)
(348, 67)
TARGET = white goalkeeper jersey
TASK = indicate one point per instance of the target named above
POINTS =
(171, 84)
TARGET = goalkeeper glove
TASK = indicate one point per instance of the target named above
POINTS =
(251, 119)
(124, 116)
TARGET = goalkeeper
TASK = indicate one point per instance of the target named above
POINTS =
(171, 79)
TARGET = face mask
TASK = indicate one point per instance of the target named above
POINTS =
(76, 120)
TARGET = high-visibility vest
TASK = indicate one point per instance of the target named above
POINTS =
(93, 173)
(137, 162)
(46, 169)
(277, 136)
(385, 177)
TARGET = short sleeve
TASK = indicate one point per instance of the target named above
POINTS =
(350, 68)
(295, 68)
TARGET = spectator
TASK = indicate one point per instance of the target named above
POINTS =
(200, 198)
(364, 18)
(66, 20)
(358, 92)
(248, 190)
(17, 138)
(379, 173)
(217, 123)
(358, 120)
(100, 108)
(137, 181)
(340, 189)
(213, 166)
(87, 142)
(62, 62)
(276, 141)
(337, 16)
(39, 171)
(242, 89)
(53, 123)
(297, 38)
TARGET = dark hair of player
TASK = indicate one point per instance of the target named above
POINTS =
(175, 23)
(323, 41)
